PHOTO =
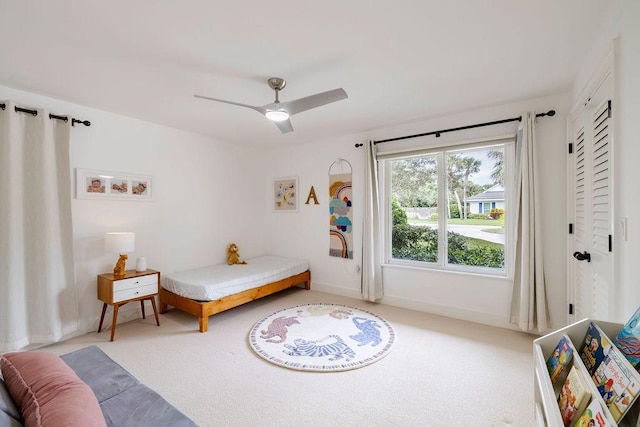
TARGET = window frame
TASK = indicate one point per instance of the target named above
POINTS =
(384, 160)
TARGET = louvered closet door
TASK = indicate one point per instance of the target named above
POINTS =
(592, 216)
(583, 305)
(600, 205)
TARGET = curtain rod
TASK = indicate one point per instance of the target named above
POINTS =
(51, 116)
(437, 133)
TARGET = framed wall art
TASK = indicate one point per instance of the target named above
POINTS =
(285, 194)
(105, 185)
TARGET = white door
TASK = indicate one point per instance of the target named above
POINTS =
(580, 300)
(591, 293)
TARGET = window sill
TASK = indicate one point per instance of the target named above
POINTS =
(408, 265)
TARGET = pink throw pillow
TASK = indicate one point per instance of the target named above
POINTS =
(48, 392)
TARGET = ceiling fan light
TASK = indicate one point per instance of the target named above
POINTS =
(277, 115)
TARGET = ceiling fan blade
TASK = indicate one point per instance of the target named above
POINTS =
(284, 126)
(260, 110)
(319, 99)
(276, 110)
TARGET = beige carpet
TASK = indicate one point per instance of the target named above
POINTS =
(440, 372)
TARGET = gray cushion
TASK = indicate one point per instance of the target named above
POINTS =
(9, 414)
(123, 400)
(150, 410)
(105, 377)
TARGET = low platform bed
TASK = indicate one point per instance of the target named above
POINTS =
(201, 281)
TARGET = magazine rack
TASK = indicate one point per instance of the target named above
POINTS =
(545, 393)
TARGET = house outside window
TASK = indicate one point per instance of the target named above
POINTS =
(447, 206)
(485, 202)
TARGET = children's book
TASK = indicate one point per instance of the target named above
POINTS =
(593, 416)
(628, 340)
(573, 397)
(618, 384)
(595, 348)
(559, 358)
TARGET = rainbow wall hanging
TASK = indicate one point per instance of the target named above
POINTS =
(340, 211)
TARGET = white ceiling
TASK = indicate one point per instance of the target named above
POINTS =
(399, 61)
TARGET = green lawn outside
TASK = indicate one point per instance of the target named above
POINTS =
(477, 243)
(456, 221)
(493, 230)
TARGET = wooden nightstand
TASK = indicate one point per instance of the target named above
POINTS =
(133, 286)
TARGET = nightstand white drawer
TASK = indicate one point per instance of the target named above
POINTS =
(135, 282)
(120, 290)
(136, 292)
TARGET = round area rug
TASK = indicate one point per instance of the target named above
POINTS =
(322, 337)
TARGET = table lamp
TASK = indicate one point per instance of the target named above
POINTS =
(120, 242)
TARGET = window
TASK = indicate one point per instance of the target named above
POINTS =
(485, 208)
(447, 206)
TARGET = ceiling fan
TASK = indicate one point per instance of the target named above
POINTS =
(279, 112)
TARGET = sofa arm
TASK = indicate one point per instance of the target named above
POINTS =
(9, 414)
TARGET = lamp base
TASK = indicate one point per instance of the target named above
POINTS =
(120, 269)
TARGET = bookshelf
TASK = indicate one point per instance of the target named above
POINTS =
(545, 393)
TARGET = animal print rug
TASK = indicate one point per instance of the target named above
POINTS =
(322, 337)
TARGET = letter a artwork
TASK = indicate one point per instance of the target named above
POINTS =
(312, 195)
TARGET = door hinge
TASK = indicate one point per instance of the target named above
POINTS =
(610, 243)
(570, 228)
(571, 148)
(570, 308)
(609, 112)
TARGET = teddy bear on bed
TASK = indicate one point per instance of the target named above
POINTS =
(233, 257)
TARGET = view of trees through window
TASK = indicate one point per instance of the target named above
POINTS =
(473, 213)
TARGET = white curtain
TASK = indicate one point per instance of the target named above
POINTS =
(371, 284)
(38, 302)
(529, 299)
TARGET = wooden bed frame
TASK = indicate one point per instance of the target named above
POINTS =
(204, 309)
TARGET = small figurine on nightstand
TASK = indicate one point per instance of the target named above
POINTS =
(119, 269)
(120, 243)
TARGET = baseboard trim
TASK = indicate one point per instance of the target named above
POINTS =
(425, 307)
(125, 314)
(335, 290)
(451, 312)
(131, 313)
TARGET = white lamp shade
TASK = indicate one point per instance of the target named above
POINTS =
(119, 242)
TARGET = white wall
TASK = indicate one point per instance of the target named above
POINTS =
(206, 193)
(480, 299)
(305, 234)
(621, 30)
(627, 17)
(474, 207)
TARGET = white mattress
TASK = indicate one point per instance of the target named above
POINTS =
(217, 281)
